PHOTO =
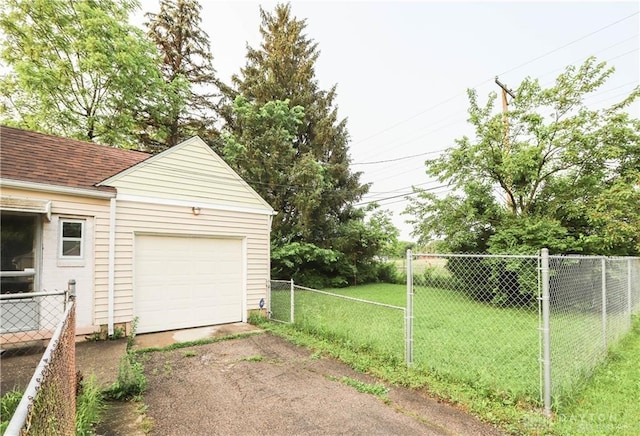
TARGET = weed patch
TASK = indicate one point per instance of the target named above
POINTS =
(377, 390)
(8, 404)
(256, 358)
(89, 406)
(131, 381)
(179, 345)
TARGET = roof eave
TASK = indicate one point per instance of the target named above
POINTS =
(58, 189)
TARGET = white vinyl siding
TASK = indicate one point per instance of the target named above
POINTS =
(91, 273)
(167, 187)
(164, 220)
(188, 172)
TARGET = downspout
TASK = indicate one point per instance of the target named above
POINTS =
(112, 263)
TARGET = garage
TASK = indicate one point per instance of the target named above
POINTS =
(187, 281)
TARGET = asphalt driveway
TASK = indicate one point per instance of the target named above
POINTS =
(264, 385)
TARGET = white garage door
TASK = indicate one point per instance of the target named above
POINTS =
(183, 282)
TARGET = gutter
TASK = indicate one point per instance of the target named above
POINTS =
(43, 187)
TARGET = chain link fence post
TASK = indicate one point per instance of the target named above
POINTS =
(292, 319)
(604, 303)
(409, 310)
(629, 302)
(268, 285)
(546, 332)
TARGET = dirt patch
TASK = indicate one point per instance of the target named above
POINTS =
(264, 385)
(121, 418)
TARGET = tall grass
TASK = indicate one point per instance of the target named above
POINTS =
(89, 407)
(608, 403)
(356, 324)
(8, 404)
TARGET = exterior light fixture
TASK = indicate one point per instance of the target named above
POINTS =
(195, 210)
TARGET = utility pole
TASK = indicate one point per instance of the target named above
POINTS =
(505, 118)
(505, 105)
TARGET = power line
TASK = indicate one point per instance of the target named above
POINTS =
(399, 123)
(398, 158)
(402, 195)
(569, 43)
(581, 58)
(399, 189)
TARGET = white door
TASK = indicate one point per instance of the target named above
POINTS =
(183, 282)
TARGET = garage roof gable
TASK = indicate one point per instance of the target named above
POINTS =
(189, 171)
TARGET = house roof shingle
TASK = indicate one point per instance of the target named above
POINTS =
(35, 157)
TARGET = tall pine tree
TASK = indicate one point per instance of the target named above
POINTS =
(282, 69)
(187, 68)
(284, 136)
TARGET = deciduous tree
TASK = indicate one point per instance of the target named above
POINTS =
(566, 176)
(76, 68)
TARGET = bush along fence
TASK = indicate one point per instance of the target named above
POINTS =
(530, 328)
(47, 406)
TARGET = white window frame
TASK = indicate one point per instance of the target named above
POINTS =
(62, 239)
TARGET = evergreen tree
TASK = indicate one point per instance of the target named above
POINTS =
(187, 69)
(282, 69)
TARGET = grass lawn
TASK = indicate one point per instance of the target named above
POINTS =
(356, 324)
(455, 337)
(492, 349)
(609, 402)
(491, 353)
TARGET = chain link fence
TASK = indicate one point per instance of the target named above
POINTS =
(475, 321)
(362, 324)
(28, 320)
(529, 329)
(280, 303)
(592, 300)
(48, 406)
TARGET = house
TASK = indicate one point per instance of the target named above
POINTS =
(176, 240)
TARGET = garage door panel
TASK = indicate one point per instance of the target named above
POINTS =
(187, 282)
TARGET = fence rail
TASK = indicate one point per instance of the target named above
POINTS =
(533, 327)
(363, 323)
(28, 319)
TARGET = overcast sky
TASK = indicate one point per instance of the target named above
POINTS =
(402, 68)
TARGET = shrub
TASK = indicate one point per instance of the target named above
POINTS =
(387, 272)
(501, 281)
